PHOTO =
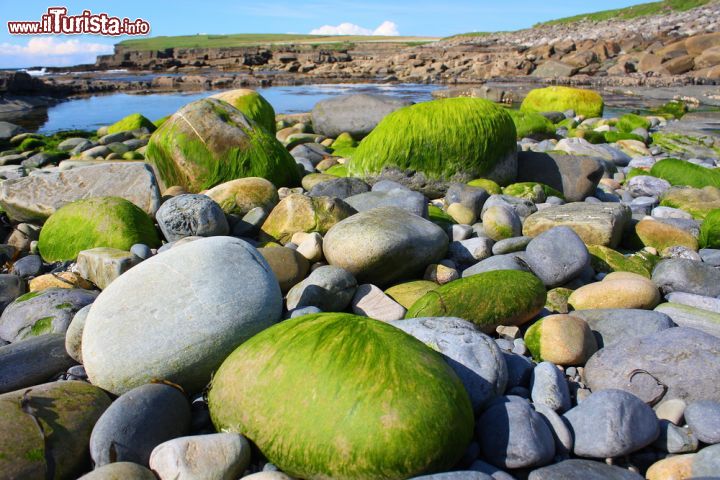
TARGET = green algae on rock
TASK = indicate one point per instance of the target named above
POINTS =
(532, 125)
(317, 409)
(131, 122)
(698, 202)
(584, 102)
(499, 297)
(560, 339)
(449, 139)
(488, 185)
(208, 142)
(629, 122)
(710, 230)
(95, 222)
(528, 191)
(682, 173)
(606, 260)
(252, 105)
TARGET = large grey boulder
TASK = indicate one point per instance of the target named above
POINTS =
(678, 362)
(384, 245)
(613, 325)
(474, 356)
(178, 315)
(356, 114)
(35, 198)
(575, 176)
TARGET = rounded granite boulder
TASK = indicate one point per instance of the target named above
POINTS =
(317, 409)
(208, 296)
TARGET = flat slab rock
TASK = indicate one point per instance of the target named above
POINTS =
(37, 197)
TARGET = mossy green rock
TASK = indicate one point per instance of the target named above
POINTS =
(344, 145)
(686, 145)
(131, 122)
(660, 235)
(682, 173)
(488, 185)
(95, 222)
(606, 260)
(557, 299)
(532, 125)
(529, 191)
(238, 197)
(499, 297)
(560, 339)
(406, 294)
(344, 397)
(710, 230)
(698, 202)
(629, 122)
(67, 412)
(585, 102)
(252, 105)
(449, 139)
(339, 170)
(672, 109)
(208, 142)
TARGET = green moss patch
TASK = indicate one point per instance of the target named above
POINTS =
(584, 102)
(672, 109)
(42, 326)
(682, 173)
(532, 125)
(252, 105)
(27, 296)
(607, 260)
(527, 190)
(629, 122)
(131, 122)
(710, 230)
(488, 185)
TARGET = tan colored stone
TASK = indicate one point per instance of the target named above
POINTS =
(371, 302)
(58, 280)
(289, 267)
(566, 340)
(634, 148)
(617, 290)
(700, 43)
(709, 58)
(660, 235)
(174, 191)
(440, 274)
(103, 265)
(678, 467)
(679, 65)
(238, 197)
(671, 410)
(461, 214)
(312, 179)
(409, 292)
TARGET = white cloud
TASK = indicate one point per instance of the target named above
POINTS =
(49, 51)
(387, 28)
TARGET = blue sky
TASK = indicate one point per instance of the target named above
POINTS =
(182, 17)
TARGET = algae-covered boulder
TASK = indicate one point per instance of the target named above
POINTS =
(48, 426)
(584, 102)
(629, 122)
(698, 202)
(300, 213)
(407, 293)
(131, 122)
(499, 297)
(208, 142)
(532, 125)
(454, 139)
(710, 230)
(534, 191)
(252, 105)
(682, 173)
(95, 222)
(238, 197)
(318, 409)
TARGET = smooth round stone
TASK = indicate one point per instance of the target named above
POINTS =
(29, 266)
(510, 245)
(267, 476)
(561, 339)
(73, 336)
(677, 467)
(137, 422)
(577, 469)
(329, 288)
(706, 464)
(342, 188)
(557, 256)
(611, 423)
(468, 252)
(207, 297)
(384, 245)
(671, 410)
(626, 291)
(474, 356)
(703, 417)
(459, 475)
(494, 472)
(523, 207)
(120, 471)
(682, 275)
(141, 251)
(549, 387)
(216, 456)
(191, 215)
(470, 197)
(33, 361)
(611, 325)
(510, 261)
(40, 313)
(698, 301)
(513, 435)
(669, 212)
(561, 433)
(300, 213)
(461, 214)
(674, 439)
(645, 185)
(691, 317)
(413, 202)
(520, 370)
(238, 197)
(409, 292)
(501, 222)
(289, 266)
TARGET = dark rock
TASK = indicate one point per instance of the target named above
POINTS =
(557, 256)
(577, 469)
(339, 188)
(575, 176)
(31, 362)
(191, 215)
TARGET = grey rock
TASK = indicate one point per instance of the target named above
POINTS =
(692, 300)
(191, 215)
(42, 159)
(576, 469)
(328, 288)
(494, 472)
(468, 252)
(520, 370)
(473, 355)
(646, 186)
(513, 435)
(559, 428)
(384, 245)
(473, 198)
(35, 198)
(9, 130)
(11, 287)
(299, 312)
(32, 362)
(524, 208)
(703, 418)
(103, 265)
(557, 256)
(115, 137)
(413, 202)
(511, 261)
(120, 470)
(510, 245)
(458, 475)
(710, 256)
(29, 266)
(681, 275)
(706, 464)
(339, 188)
(208, 296)
(356, 114)
(41, 313)
(549, 387)
(611, 325)
(575, 176)
(697, 318)
(674, 439)
(72, 143)
(142, 251)
(674, 363)
(669, 212)
(73, 336)
(10, 172)
(580, 146)
(137, 422)
(612, 423)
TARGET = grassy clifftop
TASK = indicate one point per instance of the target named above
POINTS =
(260, 39)
(640, 10)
